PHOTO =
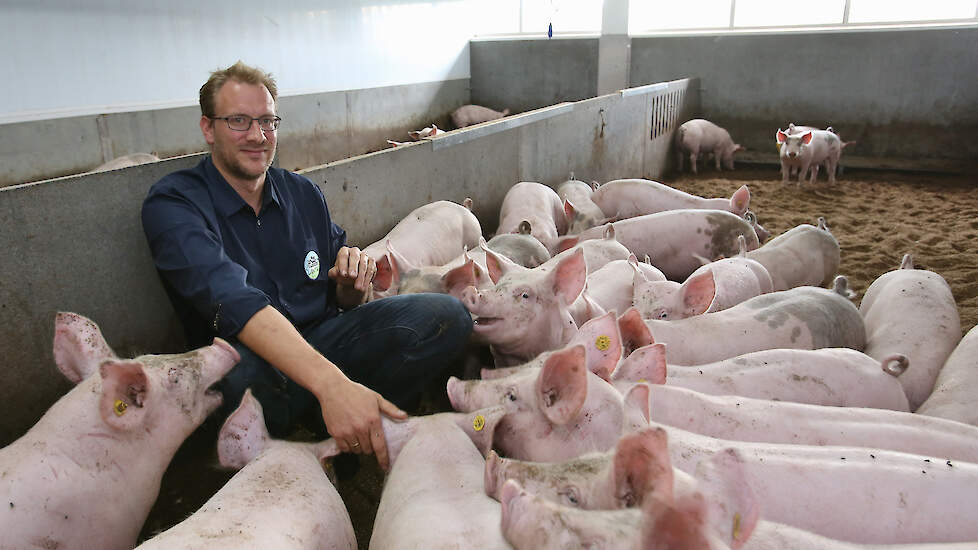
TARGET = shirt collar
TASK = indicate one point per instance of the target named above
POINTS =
(227, 201)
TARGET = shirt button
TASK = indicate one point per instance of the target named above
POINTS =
(259, 222)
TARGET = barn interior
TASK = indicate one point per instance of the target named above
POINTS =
(599, 98)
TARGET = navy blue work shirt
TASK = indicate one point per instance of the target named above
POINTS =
(220, 263)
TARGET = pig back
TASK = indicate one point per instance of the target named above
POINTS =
(953, 394)
(803, 255)
(438, 474)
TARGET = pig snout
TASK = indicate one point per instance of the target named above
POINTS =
(514, 500)
(472, 298)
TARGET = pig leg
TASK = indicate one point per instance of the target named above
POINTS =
(814, 176)
(692, 159)
(831, 163)
(785, 172)
(679, 160)
(803, 171)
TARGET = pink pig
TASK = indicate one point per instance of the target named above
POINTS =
(300, 510)
(910, 498)
(803, 255)
(713, 287)
(87, 474)
(432, 234)
(840, 377)
(800, 318)
(536, 204)
(555, 412)
(699, 136)
(676, 240)
(956, 383)
(579, 209)
(912, 311)
(627, 198)
(808, 149)
(467, 115)
(437, 473)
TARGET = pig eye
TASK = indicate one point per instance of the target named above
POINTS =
(511, 394)
(629, 500)
(570, 496)
(662, 314)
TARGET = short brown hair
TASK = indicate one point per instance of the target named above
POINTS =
(238, 72)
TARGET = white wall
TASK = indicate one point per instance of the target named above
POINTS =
(79, 57)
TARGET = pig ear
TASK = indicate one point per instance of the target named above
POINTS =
(385, 276)
(497, 264)
(243, 435)
(569, 210)
(698, 293)
(415, 135)
(467, 203)
(781, 137)
(731, 504)
(461, 277)
(568, 277)
(125, 388)
(602, 344)
(480, 426)
(79, 347)
(675, 524)
(740, 200)
(641, 467)
(634, 332)
(399, 262)
(639, 396)
(646, 364)
(562, 385)
(807, 138)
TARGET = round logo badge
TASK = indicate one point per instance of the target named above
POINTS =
(311, 264)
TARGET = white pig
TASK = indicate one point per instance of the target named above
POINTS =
(713, 287)
(86, 475)
(954, 390)
(467, 115)
(840, 377)
(627, 198)
(800, 318)
(579, 209)
(912, 311)
(536, 204)
(803, 255)
(280, 498)
(438, 475)
(429, 131)
(806, 150)
(699, 136)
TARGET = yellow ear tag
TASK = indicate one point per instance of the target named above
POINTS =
(479, 422)
(642, 381)
(120, 407)
(736, 526)
(602, 343)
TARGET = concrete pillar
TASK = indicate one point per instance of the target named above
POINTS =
(614, 47)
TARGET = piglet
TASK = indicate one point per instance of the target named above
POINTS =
(467, 115)
(800, 318)
(437, 473)
(803, 255)
(808, 149)
(713, 287)
(955, 386)
(537, 205)
(86, 475)
(627, 198)
(557, 411)
(579, 208)
(912, 311)
(280, 498)
(429, 131)
(699, 136)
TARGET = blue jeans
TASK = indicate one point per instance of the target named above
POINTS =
(395, 346)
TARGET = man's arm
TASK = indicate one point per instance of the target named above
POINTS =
(350, 410)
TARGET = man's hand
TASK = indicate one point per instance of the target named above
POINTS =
(352, 412)
(353, 269)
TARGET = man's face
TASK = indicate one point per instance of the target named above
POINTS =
(243, 155)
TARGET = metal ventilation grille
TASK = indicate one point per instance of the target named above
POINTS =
(665, 111)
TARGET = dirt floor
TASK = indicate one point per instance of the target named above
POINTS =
(877, 217)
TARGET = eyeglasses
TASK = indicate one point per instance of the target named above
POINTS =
(242, 123)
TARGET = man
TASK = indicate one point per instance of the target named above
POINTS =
(239, 246)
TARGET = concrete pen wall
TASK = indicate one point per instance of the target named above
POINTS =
(76, 243)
